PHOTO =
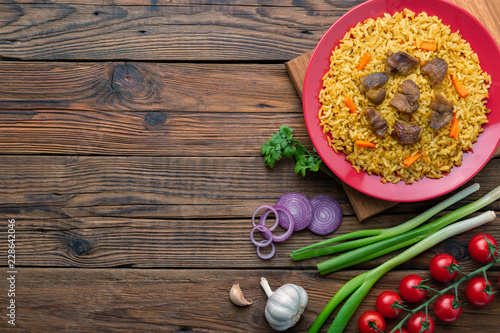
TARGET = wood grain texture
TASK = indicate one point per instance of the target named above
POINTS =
(185, 243)
(156, 133)
(170, 212)
(144, 108)
(132, 86)
(47, 187)
(164, 30)
(132, 175)
(180, 300)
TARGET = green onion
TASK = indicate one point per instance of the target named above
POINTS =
(385, 246)
(375, 235)
(359, 286)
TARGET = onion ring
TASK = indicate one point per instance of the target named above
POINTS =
(291, 221)
(300, 208)
(266, 213)
(265, 231)
(266, 256)
(327, 215)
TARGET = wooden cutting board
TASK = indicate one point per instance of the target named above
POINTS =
(366, 206)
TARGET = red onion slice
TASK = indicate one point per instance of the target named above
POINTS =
(290, 219)
(265, 231)
(266, 256)
(300, 208)
(327, 215)
(264, 216)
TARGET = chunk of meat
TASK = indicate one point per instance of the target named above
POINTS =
(371, 85)
(401, 62)
(406, 99)
(378, 124)
(400, 103)
(442, 112)
(376, 96)
(405, 133)
(373, 81)
(436, 69)
(410, 90)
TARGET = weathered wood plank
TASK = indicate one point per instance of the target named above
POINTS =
(161, 133)
(132, 86)
(51, 187)
(190, 187)
(160, 30)
(143, 30)
(180, 300)
(169, 212)
(165, 109)
(201, 243)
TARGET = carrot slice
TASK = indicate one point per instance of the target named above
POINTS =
(411, 159)
(350, 104)
(363, 143)
(363, 61)
(454, 126)
(459, 86)
(428, 46)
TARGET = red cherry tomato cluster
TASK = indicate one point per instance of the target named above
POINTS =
(479, 290)
(443, 268)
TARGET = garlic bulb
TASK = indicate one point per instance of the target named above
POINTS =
(236, 296)
(285, 305)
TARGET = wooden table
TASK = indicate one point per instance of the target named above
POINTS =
(129, 140)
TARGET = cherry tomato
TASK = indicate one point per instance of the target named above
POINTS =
(438, 270)
(475, 291)
(444, 310)
(407, 292)
(384, 304)
(371, 316)
(479, 248)
(418, 321)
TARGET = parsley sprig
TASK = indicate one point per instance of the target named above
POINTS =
(282, 144)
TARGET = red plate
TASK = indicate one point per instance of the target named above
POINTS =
(473, 161)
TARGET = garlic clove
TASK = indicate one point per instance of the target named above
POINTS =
(236, 296)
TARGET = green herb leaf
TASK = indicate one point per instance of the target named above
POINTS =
(282, 144)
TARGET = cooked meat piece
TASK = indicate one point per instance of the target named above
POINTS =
(436, 69)
(405, 133)
(371, 86)
(373, 81)
(442, 112)
(376, 96)
(406, 99)
(401, 62)
(410, 90)
(378, 124)
(400, 103)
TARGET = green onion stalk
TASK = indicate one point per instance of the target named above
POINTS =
(359, 286)
(405, 239)
(369, 236)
